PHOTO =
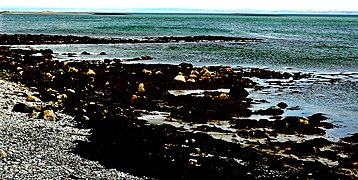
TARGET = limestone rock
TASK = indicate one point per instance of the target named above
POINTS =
(90, 72)
(223, 96)
(72, 69)
(3, 154)
(134, 98)
(48, 75)
(31, 98)
(35, 115)
(71, 91)
(180, 78)
(304, 120)
(141, 88)
(191, 80)
(145, 71)
(205, 73)
(49, 115)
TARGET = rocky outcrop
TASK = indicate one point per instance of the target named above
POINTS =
(109, 96)
(29, 39)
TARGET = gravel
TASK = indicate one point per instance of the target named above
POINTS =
(38, 149)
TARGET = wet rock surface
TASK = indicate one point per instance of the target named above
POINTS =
(147, 121)
(30, 39)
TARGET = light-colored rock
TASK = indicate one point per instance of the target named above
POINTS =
(35, 115)
(85, 118)
(191, 80)
(304, 120)
(90, 72)
(65, 63)
(73, 70)
(205, 74)
(149, 72)
(223, 96)
(71, 91)
(141, 88)
(193, 76)
(48, 75)
(3, 154)
(134, 98)
(158, 72)
(180, 78)
(31, 98)
(49, 115)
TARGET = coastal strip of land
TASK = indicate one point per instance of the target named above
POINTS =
(111, 98)
(30, 39)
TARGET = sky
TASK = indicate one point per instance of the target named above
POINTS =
(229, 5)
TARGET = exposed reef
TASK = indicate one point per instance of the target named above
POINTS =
(179, 121)
(30, 39)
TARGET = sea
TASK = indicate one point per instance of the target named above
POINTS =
(324, 46)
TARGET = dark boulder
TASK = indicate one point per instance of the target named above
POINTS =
(238, 91)
(282, 105)
(271, 111)
(21, 107)
(85, 53)
(46, 51)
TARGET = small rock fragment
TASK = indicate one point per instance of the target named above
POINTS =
(304, 120)
(191, 80)
(85, 118)
(49, 115)
(223, 96)
(145, 71)
(31, 98)
(73, 70)
(141, 88)
(34, 115)
(3, 154)
(71, 91)
(180, 78)
(90, 72)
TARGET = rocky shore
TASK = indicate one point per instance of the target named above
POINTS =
(189, 105)
(30, 39)
(36, 149)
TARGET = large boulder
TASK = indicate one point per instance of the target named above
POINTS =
(238, 91)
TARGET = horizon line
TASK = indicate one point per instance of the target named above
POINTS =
(168, 10)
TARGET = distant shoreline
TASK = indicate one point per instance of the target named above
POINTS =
(184, 13)
(43, 12)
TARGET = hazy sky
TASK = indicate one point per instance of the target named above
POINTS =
(316, 5)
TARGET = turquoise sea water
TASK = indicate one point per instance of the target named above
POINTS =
(306, 42)
(323, 45)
